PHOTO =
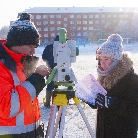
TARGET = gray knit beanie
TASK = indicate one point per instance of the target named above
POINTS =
(112, 47)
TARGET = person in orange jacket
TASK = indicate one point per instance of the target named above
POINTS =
(21, 81)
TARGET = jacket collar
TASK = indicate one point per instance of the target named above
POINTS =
(125, 66)
(11, 59)
(16, 56)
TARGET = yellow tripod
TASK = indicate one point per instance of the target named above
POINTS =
(60, 103)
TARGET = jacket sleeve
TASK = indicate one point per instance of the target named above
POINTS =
(6, 87)
(128, 106)
(37, 81)
(48, 52)
(44, 54)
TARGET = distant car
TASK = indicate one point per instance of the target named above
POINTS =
(100, 41)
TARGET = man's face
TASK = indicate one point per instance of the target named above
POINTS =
(24, 49)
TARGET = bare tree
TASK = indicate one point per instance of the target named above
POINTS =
(3, 32)
(135, 25)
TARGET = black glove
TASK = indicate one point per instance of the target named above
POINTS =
(105, 101)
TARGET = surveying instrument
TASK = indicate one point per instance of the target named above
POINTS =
(64, 52)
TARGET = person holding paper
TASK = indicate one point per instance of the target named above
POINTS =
(117, 111)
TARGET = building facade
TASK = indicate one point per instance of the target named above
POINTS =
(83, 24)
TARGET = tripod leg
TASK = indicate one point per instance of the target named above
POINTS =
(84, 117)
(62, 121)
(57, 121)
(95, 122)
(51, 122)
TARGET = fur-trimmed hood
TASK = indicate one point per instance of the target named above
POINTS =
(124, 66)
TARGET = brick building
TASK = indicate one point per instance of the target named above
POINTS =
(83, 24)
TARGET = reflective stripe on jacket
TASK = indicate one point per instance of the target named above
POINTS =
(19, 107)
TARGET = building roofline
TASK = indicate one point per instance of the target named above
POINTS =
(80, 9)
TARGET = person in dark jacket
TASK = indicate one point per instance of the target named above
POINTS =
(117, 112)
(49, 58)
(21, 81)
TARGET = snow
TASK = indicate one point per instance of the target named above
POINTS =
(85, 64)
(79, 9)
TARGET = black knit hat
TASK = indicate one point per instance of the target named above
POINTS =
(23, 32)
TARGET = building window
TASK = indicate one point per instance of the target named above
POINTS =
(38, 16)
(109, 16)
(51, 22)
(72, 34)
(84, 28)
(115, 16)
(103, 16)
(71, 16)
(97, 27)
(126, 16)
(84, 16)
(38, 23)
(78, 28)
(65, 25)
(52, 34)
(91, 33)
(90, 28)
(78, 22)
(32, 16)
(65, 19)
(45, 35)
(84, 22)
(121, 15)
(97, 16)
(39, 29)
(97, 22)
(58, 22)
(51, 16)
(90, 22)
(44, 16)
(45, 22)
(84, 33)
(45, 41)
(52, 28)
(71, 28)
(78, 34)
(58, 16)
(90, 16)
(71, 22)
(58, 28)
(78, 16)
(45, 29)
(103, 21)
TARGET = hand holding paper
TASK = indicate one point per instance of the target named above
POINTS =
(88, 88)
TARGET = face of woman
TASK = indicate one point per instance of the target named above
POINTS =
(105, 62)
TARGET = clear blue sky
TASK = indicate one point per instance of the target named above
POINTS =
(10, 8)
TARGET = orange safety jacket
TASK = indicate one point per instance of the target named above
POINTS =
(19, 107)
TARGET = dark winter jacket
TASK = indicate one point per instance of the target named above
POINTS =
(120, 120)
(48, 56)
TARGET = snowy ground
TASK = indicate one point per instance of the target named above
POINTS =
(85, 64)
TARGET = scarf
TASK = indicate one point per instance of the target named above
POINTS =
(110, 68)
